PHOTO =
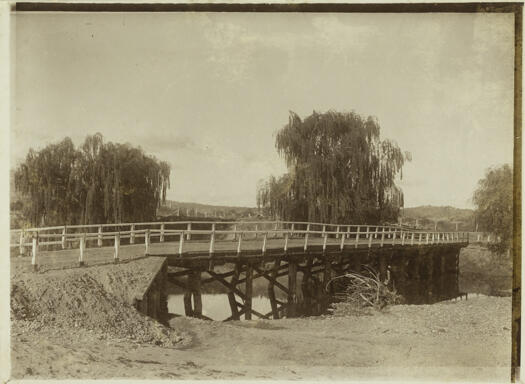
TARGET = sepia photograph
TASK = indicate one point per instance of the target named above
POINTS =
(264, 192)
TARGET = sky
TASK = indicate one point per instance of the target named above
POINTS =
(207, 92)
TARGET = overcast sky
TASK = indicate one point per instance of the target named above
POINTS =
(207, 91)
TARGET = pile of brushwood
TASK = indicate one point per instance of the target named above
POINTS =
(358, 292)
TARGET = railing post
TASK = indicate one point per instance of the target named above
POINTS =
(348, 230)
(64, 237)
(377, 231)
(181, 243)
(34, 253)
(394, 238)
(147, 240)
(275, 228)
(132, 234)
(82, 247)
(432, 242)
(239, 244)
(286, 241)
(369, 240)
(342, 241)
(161, 233)
(293, 225)
(264, 243)
(306, 237)
(357, 236)
(367, 232)
(117, 247)
(188, 235)
(99, 238)
(21, 248)
(412, 238)
(426, 237)
(234, 232)
(419, 240)
(337, 235)
(325, 236)
(212, 240)
(256, 229)
(383, 237)
(324, 230)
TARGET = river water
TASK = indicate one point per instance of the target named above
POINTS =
(215, 305)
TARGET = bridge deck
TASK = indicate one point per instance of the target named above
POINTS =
(195, 249)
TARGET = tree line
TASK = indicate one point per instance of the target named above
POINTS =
(98, 182)
(339, 171)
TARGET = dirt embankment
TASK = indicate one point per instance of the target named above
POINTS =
(97, 301)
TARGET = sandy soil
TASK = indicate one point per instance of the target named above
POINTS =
(462, 340)
(80, 323)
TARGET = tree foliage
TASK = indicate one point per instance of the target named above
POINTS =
(95, 183)
(339, 170)
(493, 201)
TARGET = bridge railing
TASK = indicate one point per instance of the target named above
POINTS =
(62, 235)
(281, 234)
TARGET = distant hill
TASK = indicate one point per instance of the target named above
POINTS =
(188, 209)
(445, 218)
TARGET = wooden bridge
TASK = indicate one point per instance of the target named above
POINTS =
(297, 258)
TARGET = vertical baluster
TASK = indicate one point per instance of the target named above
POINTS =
(117, 247)
(82, 247)
(357, 236)
(286, 241)
(212, 240)
(325, 236)
(147, 240)
(99, 237)
(64, 237)
(264, 242)
(239, 244)
(34, 252)
(132, 234)
(181, 243)
(306, 237)
(342, 241)
(188, 232)
(162, 233)
(383, 236)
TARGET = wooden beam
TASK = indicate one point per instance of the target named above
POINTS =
(292, 287)
(248, 290)
(271, 291)
(231, 293)
(228, 285)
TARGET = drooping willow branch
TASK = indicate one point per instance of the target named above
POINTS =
(339, 171)
(96, 183)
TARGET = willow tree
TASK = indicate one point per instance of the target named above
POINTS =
(493, 201)
(339, 170)
(96, 183)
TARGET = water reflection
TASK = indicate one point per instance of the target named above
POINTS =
(422, 290)
(217, 306)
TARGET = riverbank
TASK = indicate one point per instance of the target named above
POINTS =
(80, 323)
(466, 340)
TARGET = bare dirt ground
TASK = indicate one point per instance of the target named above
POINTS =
(467, 340)
(79, 323)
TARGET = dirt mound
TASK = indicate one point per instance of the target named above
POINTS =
(78, 299)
